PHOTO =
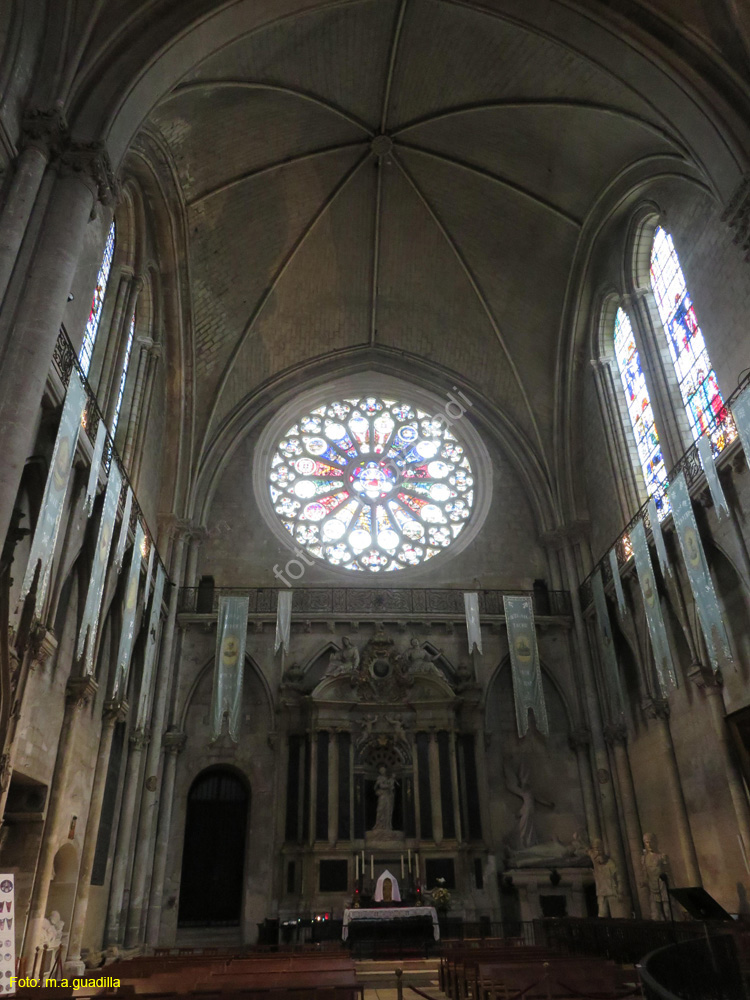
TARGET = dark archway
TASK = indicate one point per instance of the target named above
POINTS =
(213, 857)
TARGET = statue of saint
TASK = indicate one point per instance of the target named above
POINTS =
(419, 661)
(607, 880)
(385, 789)
(345, 660)
(655, 867)
(520, 785)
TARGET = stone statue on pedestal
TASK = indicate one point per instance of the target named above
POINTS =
(385, 789)
(607, 879)
(655, 867)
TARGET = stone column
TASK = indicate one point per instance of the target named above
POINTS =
(138, 742)
(113, 713)
(435, 796)
(658, 711)
(579, 741)
(42, 134)
(712, 686)
(27, 349)
(454, 786)
(174, 743)
(149, 798)
(153, 363)
(333, 787)
(145, 344)
(303, 779)
(617, 738)
(415, 783)
(78, 694)
(197, 536)
(313, 774)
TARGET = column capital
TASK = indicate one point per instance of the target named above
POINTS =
(656, 708)
(44, 129)
(139, 739)
(174, 527)
(145, 343)
(90, 162)
(174, 741)
(43, 643)
(115, 711)
(80, 691)
(704, 677)
(579, 739)
(616, 734)
(566, 534)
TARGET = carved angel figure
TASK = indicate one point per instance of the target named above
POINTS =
(368, 721)
(399, 733)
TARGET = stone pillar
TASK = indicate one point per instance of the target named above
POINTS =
(415, 789)
(153, 363)
(454, 786)
(138, 742)
(27, 349)
(435, 797)
(333, 787)
(113, 713)
(313, 775)
(78, 694)
(579, 741)
(712, 685)
(149, 798)
(617, 738)
(197, 535)
(144, 344)
(174, 743)
(304, 778)
(43, 133)
(658, 711)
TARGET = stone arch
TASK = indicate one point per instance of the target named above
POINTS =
(198, 690)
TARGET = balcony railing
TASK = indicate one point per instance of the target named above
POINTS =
(354, 602)
(690, 465)
(64, 361)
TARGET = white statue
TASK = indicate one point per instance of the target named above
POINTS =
(399, 733)
(520, 785)
(51, 932)
(655, 867)
(553, 854)
(345, 660)
(419, 661)
(607, 880)
(385, 789)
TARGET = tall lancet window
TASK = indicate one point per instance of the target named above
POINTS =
(697, 379)
(639, 410)
(123, 376)
(95, 314)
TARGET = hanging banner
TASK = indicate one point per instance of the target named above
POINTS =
(283, 620)
(149, 568)
(659, 641)
(128, 618)
(661, 549)
(48, 525)
(741, 414)
(524, 662)
(712, 477)
(90, 623)
(615, 567)
(122, 538)
(609, 657)
(473, 628)
(709, 613)
(231, 634)
(149, 656)
(96, 463)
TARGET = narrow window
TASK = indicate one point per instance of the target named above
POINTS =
(639, 410)
(95, 314)
(699, 388)
(123, 377)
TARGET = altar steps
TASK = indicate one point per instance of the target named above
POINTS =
(380, 975)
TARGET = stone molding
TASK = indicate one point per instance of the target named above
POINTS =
(579, 739)
(89, 161)
(656, 708)
(115, 711)
(704, 677)
(174, 741)
(80, 691)
(44, 129)
(616, 734)
(139, 739)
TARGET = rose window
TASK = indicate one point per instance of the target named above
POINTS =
(372, 484)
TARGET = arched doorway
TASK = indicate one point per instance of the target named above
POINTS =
(214, 853)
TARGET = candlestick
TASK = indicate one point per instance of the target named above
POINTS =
(372, 866)
(363, 863)
(402, 868)
(416, 862)
(356, 866)
(410, 860)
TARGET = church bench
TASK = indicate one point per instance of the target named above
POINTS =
(564, 977)
(454, 966)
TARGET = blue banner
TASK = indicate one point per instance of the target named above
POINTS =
(659, 641)
(615, 568)
(231, 636)
(606, 644)
(152, 641)
(524, 662)
(125, 650)
(712, 476)
(661, 549)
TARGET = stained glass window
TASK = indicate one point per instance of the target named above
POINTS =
(372, 484)
(640, 411)
(703, 401)
(95, 313)
(123, 376)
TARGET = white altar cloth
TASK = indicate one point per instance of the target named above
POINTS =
(391, 913)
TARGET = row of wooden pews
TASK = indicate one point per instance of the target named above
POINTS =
(494, 970)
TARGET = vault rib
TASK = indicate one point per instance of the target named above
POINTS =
(392, 64)
(376, 255)
(280, 271)
(471, 278)
(270, 167)
(303, 95)
(496, 179)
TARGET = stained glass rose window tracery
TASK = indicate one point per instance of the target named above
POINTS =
(371, 484)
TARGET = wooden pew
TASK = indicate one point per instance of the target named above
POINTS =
(564, 976)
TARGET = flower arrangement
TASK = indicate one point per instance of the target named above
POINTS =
(441, 897)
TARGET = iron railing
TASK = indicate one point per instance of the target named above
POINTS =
(65, 361)
(364, 601)
(690, 465)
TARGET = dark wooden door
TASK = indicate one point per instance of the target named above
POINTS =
(213, 857)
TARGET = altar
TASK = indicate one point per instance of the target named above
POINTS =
(398, 916)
